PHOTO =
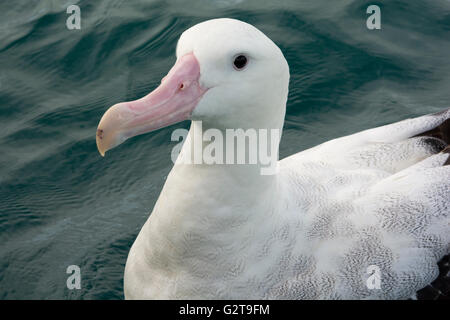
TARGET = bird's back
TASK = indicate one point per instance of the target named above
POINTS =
(374, 206)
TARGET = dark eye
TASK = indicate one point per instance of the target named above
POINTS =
(240, 62)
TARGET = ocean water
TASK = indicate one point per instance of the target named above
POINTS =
(62, 204)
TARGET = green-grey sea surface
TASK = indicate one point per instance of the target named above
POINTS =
(62, 204)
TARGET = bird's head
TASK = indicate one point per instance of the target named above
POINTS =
(228, 74)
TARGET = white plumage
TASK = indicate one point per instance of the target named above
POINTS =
(379, 197)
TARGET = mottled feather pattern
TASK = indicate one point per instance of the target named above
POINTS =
(379, 197)
(384, 202)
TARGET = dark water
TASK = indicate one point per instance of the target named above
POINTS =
(62, 204)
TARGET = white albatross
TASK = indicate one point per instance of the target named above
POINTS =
(380, 197)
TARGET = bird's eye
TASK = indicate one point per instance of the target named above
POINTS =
(240, 62)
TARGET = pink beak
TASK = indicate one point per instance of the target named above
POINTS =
(173, 101)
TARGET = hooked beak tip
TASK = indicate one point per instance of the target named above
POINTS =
(99, 142)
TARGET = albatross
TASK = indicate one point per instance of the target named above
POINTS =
(365, 216)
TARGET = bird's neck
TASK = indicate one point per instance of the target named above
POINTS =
(208, 208)
(207, 195)
(248, 153)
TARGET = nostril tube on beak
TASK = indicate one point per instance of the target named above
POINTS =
(184, 85)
